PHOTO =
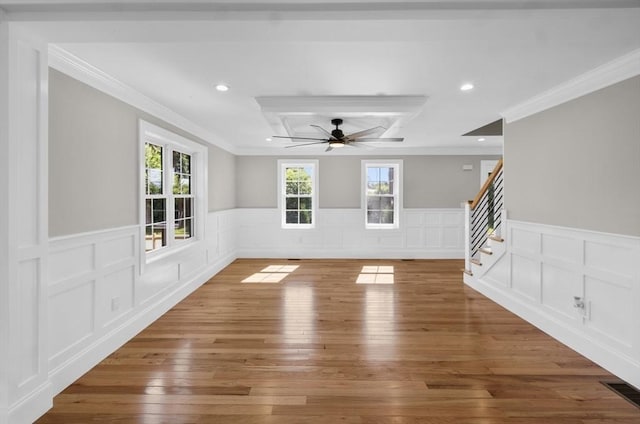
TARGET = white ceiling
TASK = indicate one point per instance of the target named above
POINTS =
(175, 53)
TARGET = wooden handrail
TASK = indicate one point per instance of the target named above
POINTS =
(486, 185)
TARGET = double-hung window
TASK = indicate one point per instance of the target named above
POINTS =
(381, 193)
(297, 191)
(171, 186)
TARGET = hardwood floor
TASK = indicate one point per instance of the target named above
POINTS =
(303, 342)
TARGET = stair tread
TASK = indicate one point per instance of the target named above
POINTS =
(497, 238)
(466, 271)
(485, 251)
(477, 262)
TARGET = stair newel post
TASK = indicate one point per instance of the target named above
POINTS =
(467, 236)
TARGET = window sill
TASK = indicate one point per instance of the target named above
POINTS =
(164, 253)
(382, 227)
(298, 227)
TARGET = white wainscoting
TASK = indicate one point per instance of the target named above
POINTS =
(91, 285)
(341, 233)
(545, 267)
(24, 385)
(98, 299)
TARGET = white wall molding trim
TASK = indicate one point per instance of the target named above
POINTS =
(75, 366)
(28, 408)
(98, 300)
(24, 257)
(617, 70)
(77, 68)
(341, 233)
(546, 266)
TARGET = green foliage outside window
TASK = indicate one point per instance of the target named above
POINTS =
(380, 194)
(298, 196)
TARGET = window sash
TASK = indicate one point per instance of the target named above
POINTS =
(298, 193)
(381, 204)
(160, 230)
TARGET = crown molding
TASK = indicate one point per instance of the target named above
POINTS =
(67, 63)
(620, 69)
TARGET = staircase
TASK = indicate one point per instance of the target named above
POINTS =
(484, 242)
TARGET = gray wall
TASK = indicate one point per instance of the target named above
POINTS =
(256, 182)
(578, 164)
(222, 179)
(93, 160)
(429, 181)
(439, 181)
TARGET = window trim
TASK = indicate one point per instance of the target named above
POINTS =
(150, 133)
(288, 163)
(397, 204)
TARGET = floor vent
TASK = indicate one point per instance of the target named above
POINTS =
(625, 390)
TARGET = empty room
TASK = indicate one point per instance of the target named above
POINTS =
(359, 212)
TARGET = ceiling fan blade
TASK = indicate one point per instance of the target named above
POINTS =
(365, 133)
(305, 144)
(329, 148)
(325, 132)
(378, 139)
(300, 138)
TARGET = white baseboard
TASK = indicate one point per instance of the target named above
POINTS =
(75, 366)
(31, 407)
(98, 300)
(546, 266)
(615, 362)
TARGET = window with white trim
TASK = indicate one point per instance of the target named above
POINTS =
(297, 193)
(171, 187)
(381, 183)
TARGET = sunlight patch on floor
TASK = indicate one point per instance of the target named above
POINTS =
(373, 274)
(271, 274)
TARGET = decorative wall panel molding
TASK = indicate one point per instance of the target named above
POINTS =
(24, 386)
(98, 299)
(581, 287)
(91, 281)
(341, 233)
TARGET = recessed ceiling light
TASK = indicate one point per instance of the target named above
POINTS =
(466, 86)
(222, 87)
(481, 139)
(268, 139)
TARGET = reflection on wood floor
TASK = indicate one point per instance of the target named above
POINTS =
(342, 341)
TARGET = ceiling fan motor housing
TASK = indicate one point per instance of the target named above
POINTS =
(337, 133)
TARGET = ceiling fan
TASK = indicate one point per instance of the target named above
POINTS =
(336, 138)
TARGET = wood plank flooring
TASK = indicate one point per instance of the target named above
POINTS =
(303, 342)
